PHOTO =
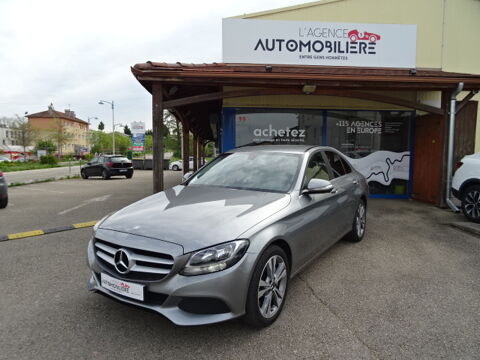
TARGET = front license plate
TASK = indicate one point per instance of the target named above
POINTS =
(125, 288)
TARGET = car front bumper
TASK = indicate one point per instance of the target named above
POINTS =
(228, 287)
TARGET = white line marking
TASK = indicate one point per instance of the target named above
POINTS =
(84, 203)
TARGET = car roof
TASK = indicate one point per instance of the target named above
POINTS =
(280, 148)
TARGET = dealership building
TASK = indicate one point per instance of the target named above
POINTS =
(374, 79)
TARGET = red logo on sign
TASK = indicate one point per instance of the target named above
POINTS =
(355, 35)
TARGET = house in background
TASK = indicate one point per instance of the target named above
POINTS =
(51, 123)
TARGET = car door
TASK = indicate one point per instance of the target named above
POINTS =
(89, 168)
(316, 219)
(99, 165)
(346, 183)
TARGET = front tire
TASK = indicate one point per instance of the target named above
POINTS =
(175, 168)
(268, 288)
(471, 203)
(359, 223)
(83, 174)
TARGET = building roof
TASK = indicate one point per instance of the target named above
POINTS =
(52, 113)
(287, 8)
(287, 75)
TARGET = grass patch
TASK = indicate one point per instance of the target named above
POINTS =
(43, 180)
(22, 166)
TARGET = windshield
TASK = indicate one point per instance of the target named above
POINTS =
(261, 171)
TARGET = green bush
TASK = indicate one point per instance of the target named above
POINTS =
(88, 156)
(48, 159)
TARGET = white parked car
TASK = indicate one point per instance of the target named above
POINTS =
(178, 165)
(4, 159)
(466, 186)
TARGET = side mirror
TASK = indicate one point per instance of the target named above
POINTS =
(318, 186)
(187, 175)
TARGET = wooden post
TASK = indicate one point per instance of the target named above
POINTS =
(157, 124)
(195, 152)
(186, 147)
(445, 104)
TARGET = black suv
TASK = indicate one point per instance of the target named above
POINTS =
(106, 166)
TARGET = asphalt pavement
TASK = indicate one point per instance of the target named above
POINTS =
(409, 290)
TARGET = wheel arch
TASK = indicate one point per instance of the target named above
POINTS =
(468, 183)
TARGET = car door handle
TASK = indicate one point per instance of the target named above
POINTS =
(355, 182)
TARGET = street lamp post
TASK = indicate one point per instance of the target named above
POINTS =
(101, 102)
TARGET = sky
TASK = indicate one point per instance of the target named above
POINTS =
(75, 53)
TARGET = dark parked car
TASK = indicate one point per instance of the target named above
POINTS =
(3, 191)
(107, 166)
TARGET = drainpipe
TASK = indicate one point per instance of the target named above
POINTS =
(451, 139)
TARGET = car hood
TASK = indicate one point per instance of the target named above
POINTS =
(196, 216)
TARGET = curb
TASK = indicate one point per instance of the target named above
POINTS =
(27, 234)
(472, 229)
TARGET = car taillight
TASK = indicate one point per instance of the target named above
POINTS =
(1, 174)
(129, 164)
(109, 164)
(458, 164)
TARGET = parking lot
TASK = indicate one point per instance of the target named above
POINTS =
(410, 289)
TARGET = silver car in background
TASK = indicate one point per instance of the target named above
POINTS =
(227, 241)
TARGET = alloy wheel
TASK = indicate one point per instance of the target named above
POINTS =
(472, 204)
(361, 220)
(272, 286)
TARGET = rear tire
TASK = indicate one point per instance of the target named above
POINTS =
(129, 176)
(3, 203)
(83, 174)
(267, 295)
(175, 168)
(359, 223)
(105, 175)
(471, 203)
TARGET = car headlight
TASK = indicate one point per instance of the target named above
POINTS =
(216, 258)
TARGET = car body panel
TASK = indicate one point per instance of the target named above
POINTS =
(468, 172)
(215, 214)
(97, 165)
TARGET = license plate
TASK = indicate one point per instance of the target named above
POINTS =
(125, 288)
(123, 170)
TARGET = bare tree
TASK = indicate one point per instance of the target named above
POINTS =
(27, 134)
(60, 135)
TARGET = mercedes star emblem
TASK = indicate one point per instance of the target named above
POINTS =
(122, 261)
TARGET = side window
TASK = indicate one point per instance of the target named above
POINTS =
(346, 166)
(101, 159)
(335, 163)
(94, 160)
(316, 168)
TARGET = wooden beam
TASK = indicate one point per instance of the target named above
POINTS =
(157, 124)
(298, 91)
(186, 147)
(465, 100)
(195, 152)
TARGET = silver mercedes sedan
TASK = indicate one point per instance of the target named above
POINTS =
(227, 241)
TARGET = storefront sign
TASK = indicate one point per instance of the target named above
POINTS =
(138, 136)
(315, 43)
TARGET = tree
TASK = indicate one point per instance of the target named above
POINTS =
(102, 142)
(27, 133)
(101, 126)
(46, 145)
(149, 132)
(60, 135)
(127, 131)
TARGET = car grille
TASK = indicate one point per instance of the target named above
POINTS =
(121, 165)
(147, 265)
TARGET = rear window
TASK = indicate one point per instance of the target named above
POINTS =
(118, 159)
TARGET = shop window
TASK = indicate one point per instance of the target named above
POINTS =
(273, 126)
(377, 144)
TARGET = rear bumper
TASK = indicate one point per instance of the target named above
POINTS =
(120, 171)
